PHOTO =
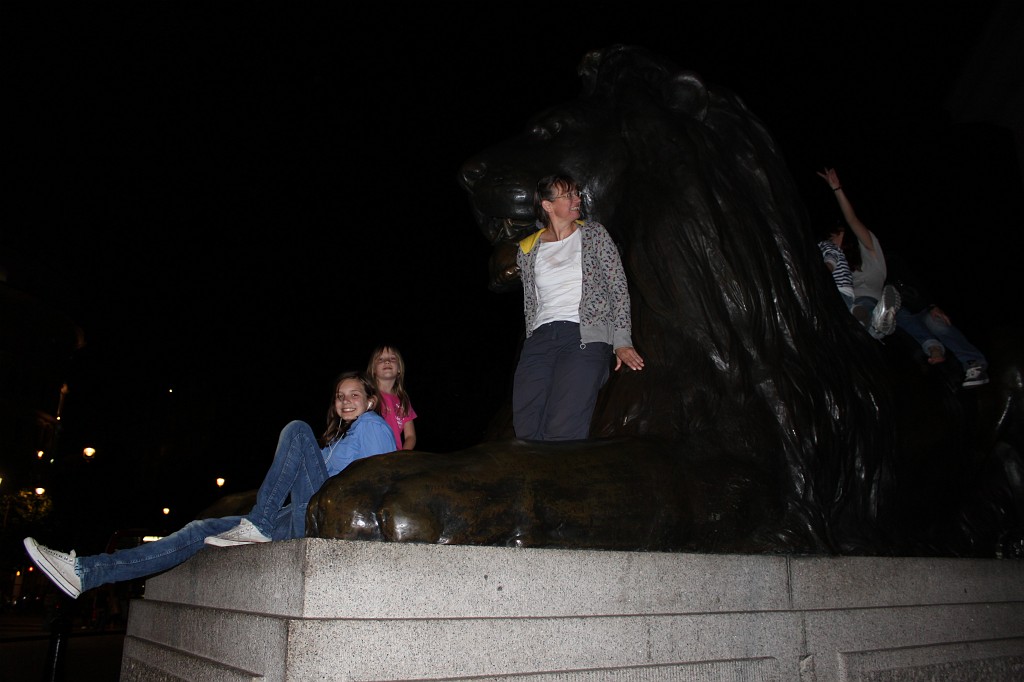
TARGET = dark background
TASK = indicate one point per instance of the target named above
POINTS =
(237, 203)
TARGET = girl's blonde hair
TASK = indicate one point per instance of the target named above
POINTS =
(398, 390)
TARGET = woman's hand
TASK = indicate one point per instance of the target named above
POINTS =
(628, 355)
(831, 177)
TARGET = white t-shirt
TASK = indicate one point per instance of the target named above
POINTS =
(870, 279)
(559, 275)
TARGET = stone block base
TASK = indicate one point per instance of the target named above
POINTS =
(315, 609)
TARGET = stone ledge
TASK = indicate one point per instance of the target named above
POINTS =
(336, 610)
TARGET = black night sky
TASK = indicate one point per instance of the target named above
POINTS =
(237, 202)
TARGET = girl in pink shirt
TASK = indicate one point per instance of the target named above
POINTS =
(387, 369)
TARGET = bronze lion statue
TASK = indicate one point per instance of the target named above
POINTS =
(766, 419)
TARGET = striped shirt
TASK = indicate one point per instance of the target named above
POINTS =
(841, 273)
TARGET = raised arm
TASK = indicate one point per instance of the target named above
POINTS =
(830, 176)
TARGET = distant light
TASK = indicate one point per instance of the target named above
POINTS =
(167, 510)
(40, 491)
(39, 454)
(170, 390)
(151, 538)
(220, 482)
(88, 453)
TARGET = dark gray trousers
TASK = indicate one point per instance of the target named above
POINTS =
(556, 383)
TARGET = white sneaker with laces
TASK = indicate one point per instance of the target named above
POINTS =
(245, 533)
(883, 318)
(58, 567)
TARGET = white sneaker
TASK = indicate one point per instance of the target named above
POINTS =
(245, 533)
(58, 567)
(975, 375)
(883, 318)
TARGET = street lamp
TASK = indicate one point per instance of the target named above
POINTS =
(88, 454)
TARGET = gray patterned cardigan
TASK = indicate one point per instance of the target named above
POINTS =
(604, 305)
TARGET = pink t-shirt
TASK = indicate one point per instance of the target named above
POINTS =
(389, 410)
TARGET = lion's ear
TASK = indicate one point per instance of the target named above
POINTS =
(684, 93)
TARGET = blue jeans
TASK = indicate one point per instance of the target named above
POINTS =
(932, 332)
(298, 470)
(868, 303)
(556, 383)
(151, 557)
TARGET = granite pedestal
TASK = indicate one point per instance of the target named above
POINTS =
(315, 609)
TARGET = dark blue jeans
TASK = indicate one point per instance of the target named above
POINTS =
(931, 331)
(556, 383)
(151, 557)
(298, 471)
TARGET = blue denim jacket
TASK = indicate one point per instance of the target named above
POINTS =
(369, 435)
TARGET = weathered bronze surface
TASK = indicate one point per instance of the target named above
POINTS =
(766, 419)
(613, 494)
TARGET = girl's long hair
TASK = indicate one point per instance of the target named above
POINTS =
(338, 427)
(398, 390)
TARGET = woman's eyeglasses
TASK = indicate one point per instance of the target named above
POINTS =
(575, 193)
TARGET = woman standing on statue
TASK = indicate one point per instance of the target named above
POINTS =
(577, 310)
(301, 464)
